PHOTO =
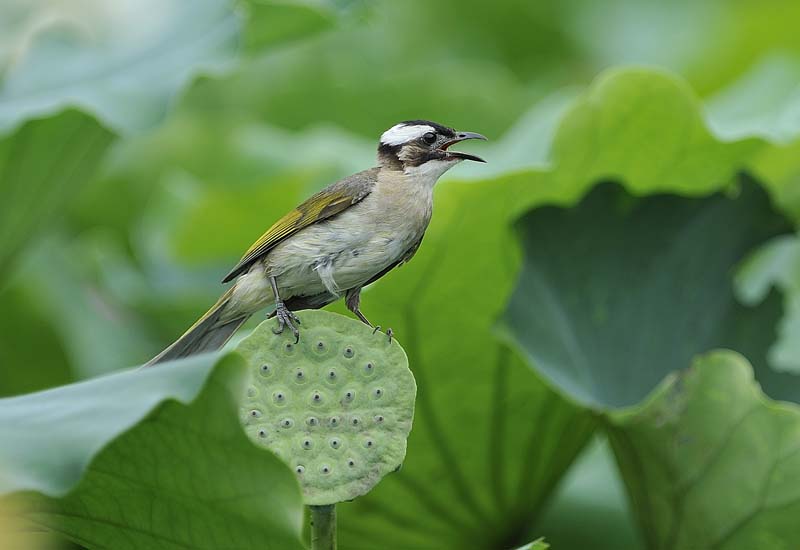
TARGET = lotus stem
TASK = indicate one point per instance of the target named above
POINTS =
(323, 527)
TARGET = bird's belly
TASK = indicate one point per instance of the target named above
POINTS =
(354, 267)
(326, 259)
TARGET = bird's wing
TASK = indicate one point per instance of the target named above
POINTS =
(332, 200)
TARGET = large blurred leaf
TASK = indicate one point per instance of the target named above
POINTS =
(616, 291)
(644, 128)
(481, 65)
(123, 64)
(81, 419)
(579, 303)
(710, 462)
(98, 334)
(148, 459)
(779, 169)
(367, 77)
(737, 36)
(43, 165)
(709, 43)
(764, 102)
(276, 21)
(776, 264)
(27, 338)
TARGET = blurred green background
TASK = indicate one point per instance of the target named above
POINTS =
(145, 144)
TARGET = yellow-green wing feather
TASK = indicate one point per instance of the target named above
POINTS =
(332, 200)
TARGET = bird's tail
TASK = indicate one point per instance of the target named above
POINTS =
(210, 332)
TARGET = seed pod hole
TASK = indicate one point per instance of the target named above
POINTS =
(336, 443)
(265, 369)
(312, 421)
(300, 469)
(348, 352)
(316, 397)
(320, 346)
(378, 419)
(369, 444)
(377, 393)
(287, 423)
(369, 368)
(299, 375)
(355, 421)
(334, 421)
(325, 469)
(307, 444)
(351, 462)
(331, 375)
(262, 433)
(288, 347)
(255, 413)
(349, 395)
(279, 397)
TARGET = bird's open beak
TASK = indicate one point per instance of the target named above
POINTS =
(461, 136)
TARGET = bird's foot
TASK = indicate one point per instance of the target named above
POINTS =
(389, 332)
(286, 318)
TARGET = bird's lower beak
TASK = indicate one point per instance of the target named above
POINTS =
(461, 136)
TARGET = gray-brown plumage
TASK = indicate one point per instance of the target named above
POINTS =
(338, 241)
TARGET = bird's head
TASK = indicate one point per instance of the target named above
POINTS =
(422, 146)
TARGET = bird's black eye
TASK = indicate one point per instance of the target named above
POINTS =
(429, 138)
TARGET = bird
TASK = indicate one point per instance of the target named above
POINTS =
(343, 238)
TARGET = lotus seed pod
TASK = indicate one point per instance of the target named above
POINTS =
(336, 407)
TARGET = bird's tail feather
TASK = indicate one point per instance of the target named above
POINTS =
(209, 333)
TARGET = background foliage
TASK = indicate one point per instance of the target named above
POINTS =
(561, 318)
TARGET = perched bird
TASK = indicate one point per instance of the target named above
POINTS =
(343, 238)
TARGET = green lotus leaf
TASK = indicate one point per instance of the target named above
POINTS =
(709, 461)
(618, 290)
(151, 458)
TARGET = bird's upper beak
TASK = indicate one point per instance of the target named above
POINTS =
(461, 136)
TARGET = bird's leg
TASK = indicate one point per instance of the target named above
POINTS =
(353, 300)
(282, 313)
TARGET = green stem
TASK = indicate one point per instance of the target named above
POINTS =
(323, 527)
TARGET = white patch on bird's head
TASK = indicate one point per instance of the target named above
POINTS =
(403, 133)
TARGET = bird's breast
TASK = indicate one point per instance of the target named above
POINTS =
(351, 248)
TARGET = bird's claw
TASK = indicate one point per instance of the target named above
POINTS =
(286, 318)
(389, 332)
